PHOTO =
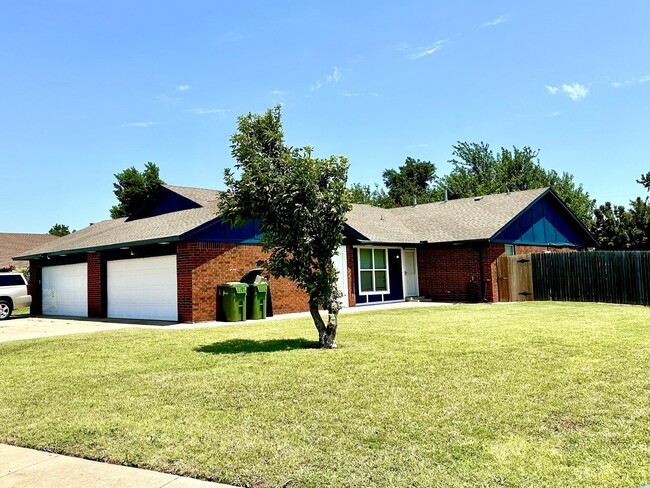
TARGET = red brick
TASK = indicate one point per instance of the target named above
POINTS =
(445, 272)
(95, 285)
(201, 266)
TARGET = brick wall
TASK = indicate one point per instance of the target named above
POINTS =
(445, 272)
(490, 256)
(201, 266)
(35, 274)
(95, 285)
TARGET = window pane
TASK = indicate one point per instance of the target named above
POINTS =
(380, 259)
(366, 281)
(11, 280)
(510, 250)
(380, 281)
(365, 256)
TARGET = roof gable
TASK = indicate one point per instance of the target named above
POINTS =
(547, 221)
(167, 199)
(461, 220)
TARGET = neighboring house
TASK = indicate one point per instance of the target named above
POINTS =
(15, 244)
(165, 261)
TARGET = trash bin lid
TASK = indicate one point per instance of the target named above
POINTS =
(260, 287)
(237, 286)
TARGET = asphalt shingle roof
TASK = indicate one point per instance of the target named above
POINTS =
(202, 196)
(115, 232)
(459, 220)
(12, 244)
(452, 221)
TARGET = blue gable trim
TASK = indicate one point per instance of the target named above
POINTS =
(545, 222)
(220, 231)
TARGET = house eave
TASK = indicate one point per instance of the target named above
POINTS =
(120, 245)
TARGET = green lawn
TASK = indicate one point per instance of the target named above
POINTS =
(531, 394)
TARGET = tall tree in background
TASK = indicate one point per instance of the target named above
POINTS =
(133, 188)
(411, 182)
(300, 201)
(359, 193)
(478, 171)
(618, 228)
(574, 196)
(474, 170)
(59, 230)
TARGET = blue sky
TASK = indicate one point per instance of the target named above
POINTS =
(88, 89)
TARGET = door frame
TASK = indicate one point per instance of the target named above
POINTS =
(342, 255)
(415, 266)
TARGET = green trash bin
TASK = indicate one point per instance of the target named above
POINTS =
(256, 301)
(233, 301)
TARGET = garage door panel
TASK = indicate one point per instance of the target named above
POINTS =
(143, 288)
(65, 290)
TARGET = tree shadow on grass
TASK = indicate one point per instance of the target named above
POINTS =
(246, 346)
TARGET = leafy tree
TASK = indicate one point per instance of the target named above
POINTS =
(358, 193)
(618, 228)
(574, 196)
(59, 230)
(645, 181)
(474, 170)
(639, 224)
(610, 226)
(412, 181)
(478, 171)
(300, 201)
(133, 188)
(518, 169)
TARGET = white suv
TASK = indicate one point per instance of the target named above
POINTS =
(13, 293)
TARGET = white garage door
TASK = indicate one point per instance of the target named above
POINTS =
(65, 290)
(143, 288)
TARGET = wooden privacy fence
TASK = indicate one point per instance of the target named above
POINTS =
(599, 276)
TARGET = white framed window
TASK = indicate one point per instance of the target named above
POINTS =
(510, 249)
(373, 270)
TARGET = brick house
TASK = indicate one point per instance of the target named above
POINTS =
(165, 261)
(448, 250)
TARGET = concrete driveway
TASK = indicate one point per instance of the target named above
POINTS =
(25, 327)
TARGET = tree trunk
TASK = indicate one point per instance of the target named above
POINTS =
(326, 333)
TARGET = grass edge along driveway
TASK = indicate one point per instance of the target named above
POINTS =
(544, 394)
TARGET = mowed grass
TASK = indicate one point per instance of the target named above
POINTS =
(531, 394)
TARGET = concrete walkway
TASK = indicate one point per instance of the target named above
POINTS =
(27, 468)
(26, 327)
